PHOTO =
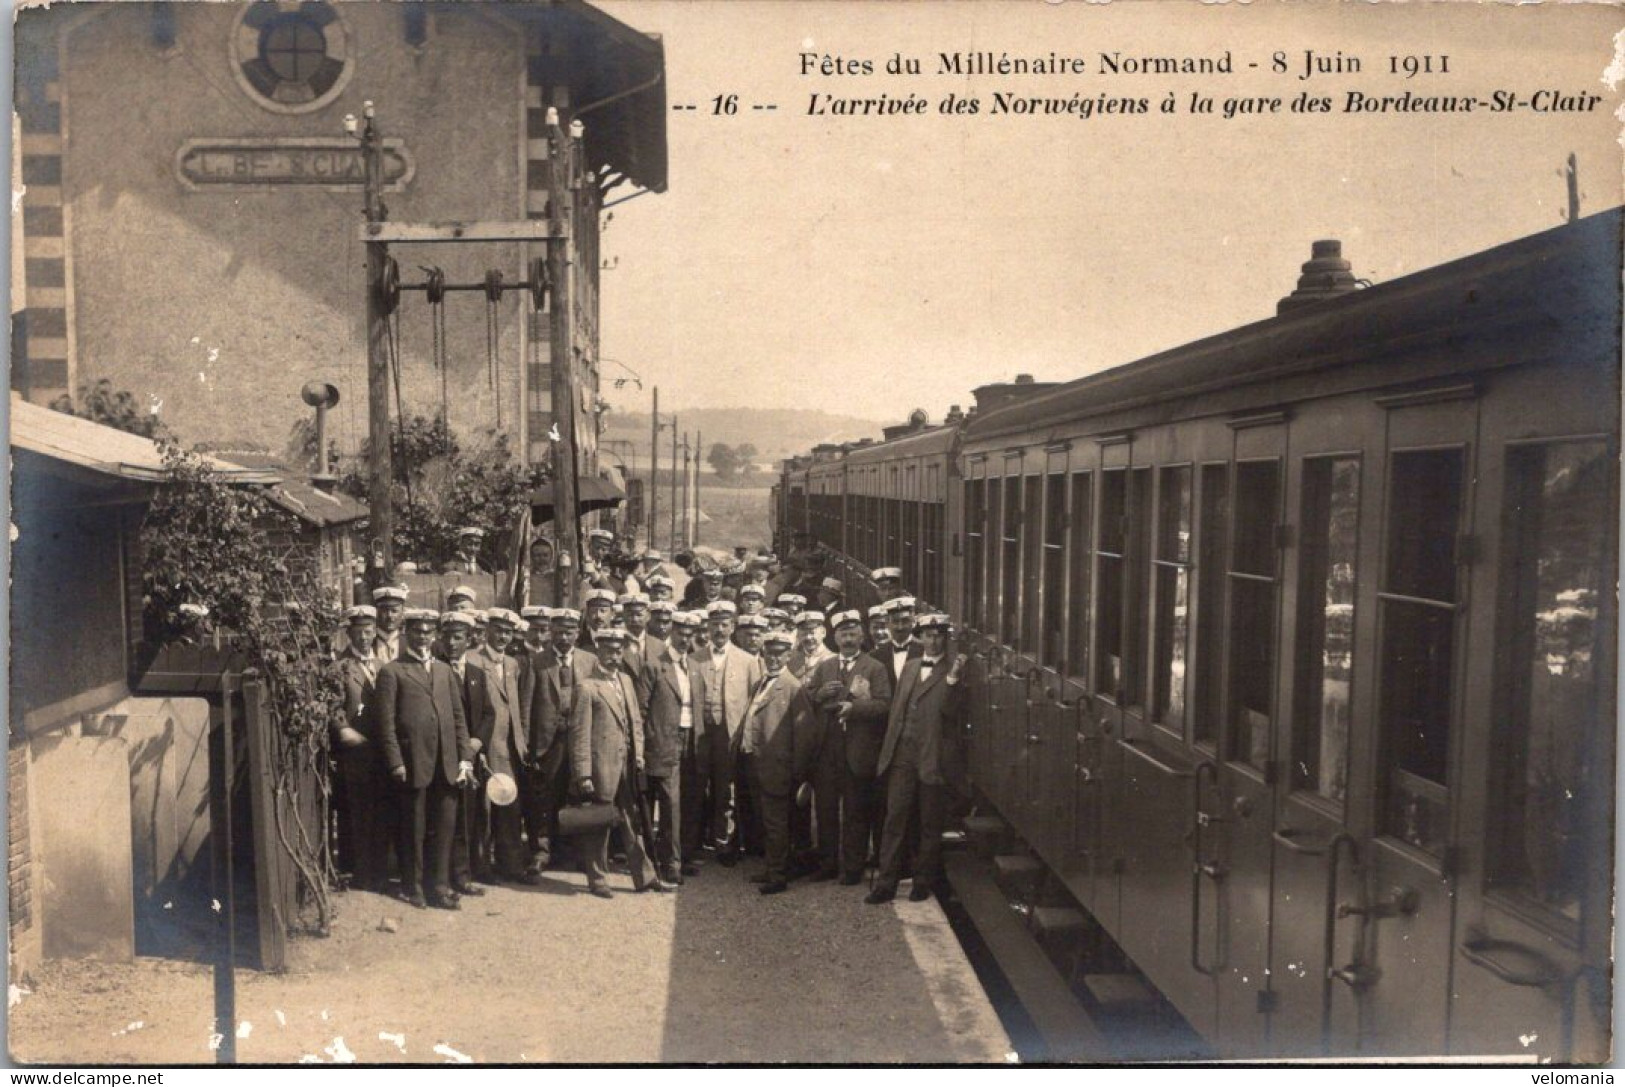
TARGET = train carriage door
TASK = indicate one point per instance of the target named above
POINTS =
(1095, 755)
(1106, 658)
(1325, 637)
(1007, 689)
(1235, 801)
(1533, 935)
(1051, 728)
(1402, 913)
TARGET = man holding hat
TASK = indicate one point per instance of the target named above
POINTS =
(389, 603)
(606, 748)
(924, 750)
(779, 742)
(469, 541)
(367, 823)
(471, 848)
(506, 749)
(730, 677)
(425, 742)
(671, 719)
(852, 693)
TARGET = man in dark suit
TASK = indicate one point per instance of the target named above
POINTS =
(903, 645)
(425, 741)
(852, 692)
(538, 647)
(597, 613)
(558, 677)
(365, 830)
(643, 650)
(923, 751)
(467, 559)
(671, 724)
(470, 850)
(606, 753)
(779, 742)
(507, 749)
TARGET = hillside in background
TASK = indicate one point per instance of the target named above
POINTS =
(775, 432)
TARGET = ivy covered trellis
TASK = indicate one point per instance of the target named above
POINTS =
(222, 565)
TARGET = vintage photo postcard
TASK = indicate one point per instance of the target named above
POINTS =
(819, 532)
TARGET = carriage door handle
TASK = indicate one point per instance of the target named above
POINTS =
(1201, 867)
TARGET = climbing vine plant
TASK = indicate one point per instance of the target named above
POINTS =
(222, 565)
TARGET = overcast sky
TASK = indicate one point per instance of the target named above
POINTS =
(872, 265)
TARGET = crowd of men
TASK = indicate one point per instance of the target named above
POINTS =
(756, 716)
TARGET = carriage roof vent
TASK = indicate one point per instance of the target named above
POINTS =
(1326, 275)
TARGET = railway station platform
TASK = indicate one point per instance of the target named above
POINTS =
(712, 973)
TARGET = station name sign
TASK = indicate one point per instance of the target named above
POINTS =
(296, 162)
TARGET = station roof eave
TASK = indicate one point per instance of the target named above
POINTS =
(97, 450)
(617, 78)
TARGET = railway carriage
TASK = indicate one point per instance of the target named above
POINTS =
(1303, 642)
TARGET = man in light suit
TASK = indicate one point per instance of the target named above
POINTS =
(671, 724)
(852, 693)
(730, 677)
(507, 750)
(923, 751)
(558, 677)
(779, 742)
(425, 743)
(368, 821)
(606, 754)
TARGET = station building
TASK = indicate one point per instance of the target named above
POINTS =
(192, 203)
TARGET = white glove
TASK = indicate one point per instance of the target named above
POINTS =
(465, 771)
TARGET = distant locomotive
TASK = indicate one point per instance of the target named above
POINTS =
(1304, 645)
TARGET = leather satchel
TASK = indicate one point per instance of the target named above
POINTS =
(584, 818)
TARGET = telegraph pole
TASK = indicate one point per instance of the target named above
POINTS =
(654, 464)
(560, 213)
(673, 536)
(685, 490)
(380, 470)
(699, 444)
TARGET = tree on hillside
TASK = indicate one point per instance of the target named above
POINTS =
(732, 462)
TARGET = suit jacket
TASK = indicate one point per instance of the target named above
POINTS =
(865, 727)
(510, 732)
(883, 654)
(554, 702)
(641, 666)
(420, 721)
(606, 730)
(663, 711)
(782, 733)
(477, 709)
(360, 678)
(741, 671)
(942, 714)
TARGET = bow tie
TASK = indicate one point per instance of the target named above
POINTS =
(926, 663)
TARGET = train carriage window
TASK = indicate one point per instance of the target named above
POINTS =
(1083, 508)
(975, 549)
(1417, 649)
(1331, 512)
(1010, 564)
(1137, 580)
(1055, 570)
(1032, 558)
(1555, 576)
(1215, 530)
(1109, 554)
(1250, 637)
(990, 581)
(1171, 623)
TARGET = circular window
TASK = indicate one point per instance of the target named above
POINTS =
(291, 57)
